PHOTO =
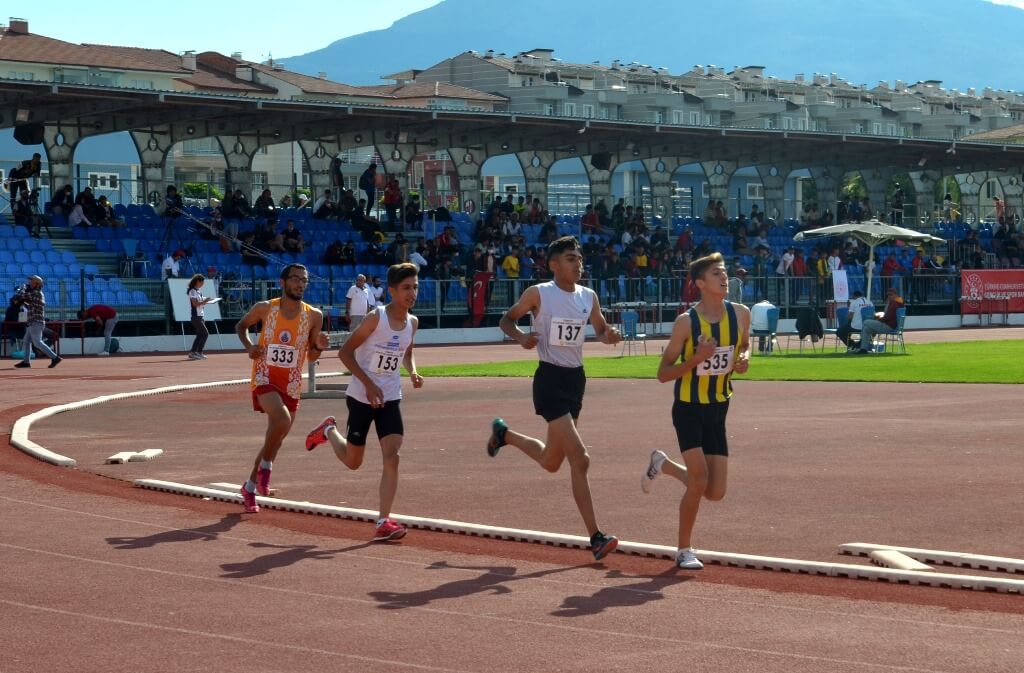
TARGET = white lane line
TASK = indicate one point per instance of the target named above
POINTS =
(223, 636)
(362, 554)
(483, 616)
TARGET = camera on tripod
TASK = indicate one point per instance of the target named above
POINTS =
(33, 198)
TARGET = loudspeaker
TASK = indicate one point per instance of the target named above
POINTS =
(602, 161)
(29, 134)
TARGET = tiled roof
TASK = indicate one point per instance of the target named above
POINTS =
(31, 48)
(1014, 132)
(313, 85)
(435, 90)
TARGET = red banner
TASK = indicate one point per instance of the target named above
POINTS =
(478, 296)
(983, 289)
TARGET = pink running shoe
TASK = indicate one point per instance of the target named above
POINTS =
(319, 434)
(263, 482)
(250, 502)
(388, 530)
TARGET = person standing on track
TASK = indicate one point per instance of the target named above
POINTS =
(373, 353)
(708, 343)
(289, 336)
(560, 310)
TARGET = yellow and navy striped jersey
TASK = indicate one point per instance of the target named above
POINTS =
(713, 387)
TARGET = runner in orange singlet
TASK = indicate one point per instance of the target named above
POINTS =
(291, 334)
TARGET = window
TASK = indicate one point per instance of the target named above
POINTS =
(201, 146)
(769, 122)
(588, 111)
(68, 76)
(876, 128)
(549, 108)
(705, 191)
(801, 124)
(28, 76)
(104, 180)
(604, 112)
(443, 183)
(678, 117)
(694, 117)
(141, 84)
(892, 130)
(787, 123)
(755, 191)
(659, 117)
(709, 120)
(990, 190)
(569, 109)
(259, 181)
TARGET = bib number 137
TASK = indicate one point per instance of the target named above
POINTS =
(566, 332)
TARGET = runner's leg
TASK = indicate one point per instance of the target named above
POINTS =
(696, 485)
(389, 448)
(564, 442)
(348, 453)
(279, 422)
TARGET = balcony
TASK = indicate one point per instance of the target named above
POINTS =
(616, 96)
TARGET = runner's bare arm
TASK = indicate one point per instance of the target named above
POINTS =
(669, 369)
(318, 341)
(605, 333)
(347, 355)
(743, 349)
(257, 313)
(409, 362)
(528, 303)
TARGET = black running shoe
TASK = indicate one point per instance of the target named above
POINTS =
(497, 440)
(602, 545)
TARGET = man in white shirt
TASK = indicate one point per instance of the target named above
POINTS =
(786, 263)
(854, 320)
(78, 217)
(358, 302)
(759, 323)
(835, 262)
(170, 267)
(419, 260)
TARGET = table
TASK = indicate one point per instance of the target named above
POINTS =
(984, 307)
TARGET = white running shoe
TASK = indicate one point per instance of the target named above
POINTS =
(103, 353)
(687, 560)
(658, 459)
(202, 356)
(193, 356)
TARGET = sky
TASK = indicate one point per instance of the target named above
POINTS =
(259, 30)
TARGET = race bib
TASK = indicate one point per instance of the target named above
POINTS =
(719, 363)
(285, 357)
(385, 362)
(566, 332)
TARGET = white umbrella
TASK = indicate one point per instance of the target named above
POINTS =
(870, 233)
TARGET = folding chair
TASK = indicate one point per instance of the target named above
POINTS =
(770, 333)
(630, 334)
(897, 336)
(842, 317)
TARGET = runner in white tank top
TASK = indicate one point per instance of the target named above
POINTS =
(375, 353)
(560, 311)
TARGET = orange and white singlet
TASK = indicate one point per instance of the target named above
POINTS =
(285, 344)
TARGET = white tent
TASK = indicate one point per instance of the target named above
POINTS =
(870, 233)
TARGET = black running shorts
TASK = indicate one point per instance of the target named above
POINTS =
(387, 419)
(701, 426)
(558, 391)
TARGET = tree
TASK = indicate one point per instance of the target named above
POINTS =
(200, 190)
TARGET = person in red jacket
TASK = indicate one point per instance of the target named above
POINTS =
(105, 318)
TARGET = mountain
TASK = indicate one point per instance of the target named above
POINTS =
(963, 43)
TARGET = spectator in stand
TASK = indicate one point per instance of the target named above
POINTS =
(855, 209)
(87, 201)
(921, 271)
(721, 217)
(105, 319)
(377, 291)
(709, 214)
(659, 240)
(896, 217)
(285, 202)
(251, 254)
(590, 222)
(417, 258)
(348, 254)
(799, 273)
(527, 267)
(883, 323)
(105, 213)
(171, 268)
(520, 207)
(236, 206)
(835, 261)
(1000, 207)
(78, 218)
(347, 205)
(413, 216)
(364, 223)
(63, 201)
(292, 238)
(332, 255)
(368, 183)
(172, 202)
(756, 216)
(510, 265)
(619, 215)
(891, 270)
(398, 251)
(22, 209)
(324, 208)
(536, 212)
(392, 201)
(265, 207)
(35, 301)
(512, 227)
(20, 174)
(358, 302)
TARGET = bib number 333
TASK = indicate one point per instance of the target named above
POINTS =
(282, 356)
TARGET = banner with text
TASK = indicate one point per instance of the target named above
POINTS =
(982, 288)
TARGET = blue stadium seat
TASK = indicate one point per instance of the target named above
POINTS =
(6, 256)
(21, 257)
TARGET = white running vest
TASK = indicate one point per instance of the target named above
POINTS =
(561, 323)
(381, 357)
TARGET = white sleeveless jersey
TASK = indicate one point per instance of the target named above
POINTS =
(561, 323)
(381, 357)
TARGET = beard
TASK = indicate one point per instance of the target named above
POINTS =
(294, 294)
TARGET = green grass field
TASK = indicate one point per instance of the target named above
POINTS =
(960, 362)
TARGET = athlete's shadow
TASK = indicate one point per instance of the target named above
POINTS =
(621, 596)
(204, 533)
(493, 580)
(288, 555)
